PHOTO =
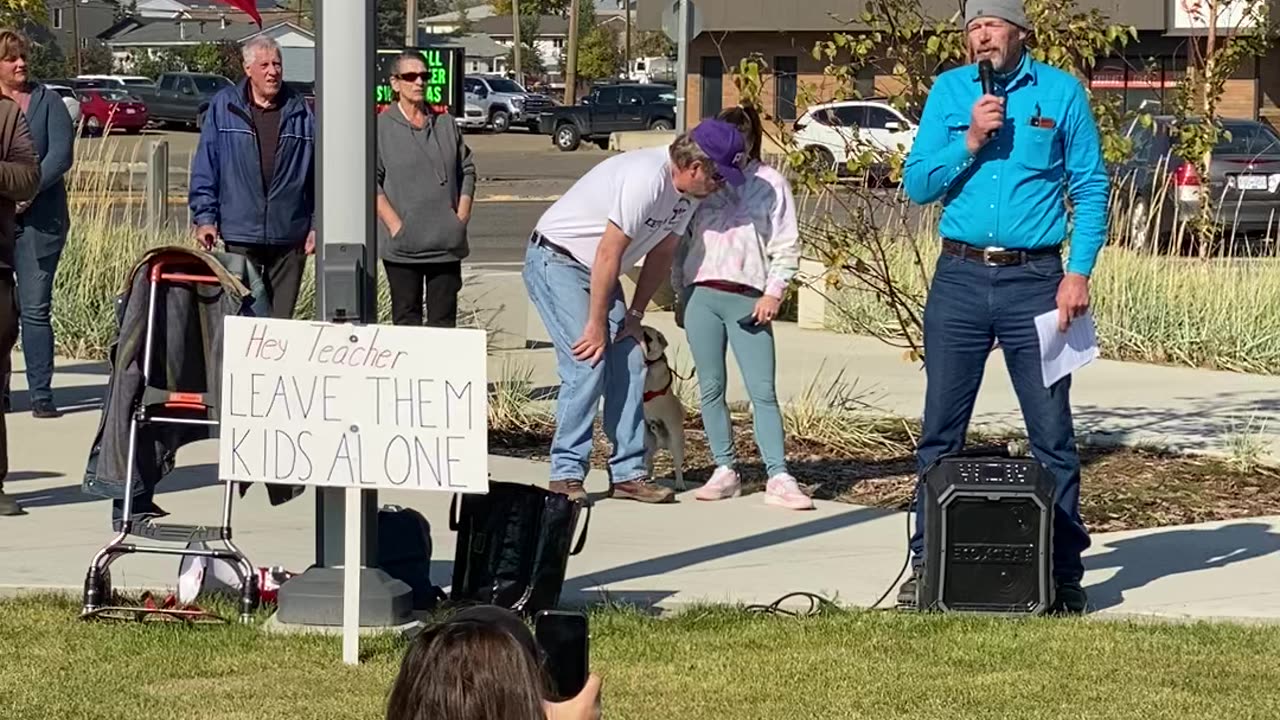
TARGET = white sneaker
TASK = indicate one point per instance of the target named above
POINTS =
(723, 484)
(783, 491)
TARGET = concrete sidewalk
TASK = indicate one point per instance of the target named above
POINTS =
(1185, 409)
(658, 557)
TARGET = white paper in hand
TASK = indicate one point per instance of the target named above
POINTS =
(1063, 353)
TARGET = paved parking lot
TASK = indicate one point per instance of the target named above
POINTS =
(520, 175)
(507, 160)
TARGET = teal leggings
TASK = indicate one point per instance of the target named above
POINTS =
(711, 318)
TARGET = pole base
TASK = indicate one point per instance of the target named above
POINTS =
(315, 598)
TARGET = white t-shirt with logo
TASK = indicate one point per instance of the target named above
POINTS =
(634, 191)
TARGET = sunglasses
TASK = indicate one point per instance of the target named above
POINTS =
(413, 76)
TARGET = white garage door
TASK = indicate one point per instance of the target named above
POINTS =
(299, 64)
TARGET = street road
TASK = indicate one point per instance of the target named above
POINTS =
(519, 176)
(507, 163)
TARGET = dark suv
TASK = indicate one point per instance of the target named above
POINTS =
(609, 109)
(1157, 192)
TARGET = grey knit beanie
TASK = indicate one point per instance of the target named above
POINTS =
(1008, 10)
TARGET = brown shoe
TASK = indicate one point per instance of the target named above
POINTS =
(572, 488)
(645, 491)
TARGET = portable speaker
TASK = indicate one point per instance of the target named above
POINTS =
(988, 536)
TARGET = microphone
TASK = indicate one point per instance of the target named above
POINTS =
(986, 74)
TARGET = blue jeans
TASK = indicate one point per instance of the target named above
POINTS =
(712, 321)
(970, 306)
(35, 301)
(560, 289)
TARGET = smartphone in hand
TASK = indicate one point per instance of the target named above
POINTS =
(563, 637)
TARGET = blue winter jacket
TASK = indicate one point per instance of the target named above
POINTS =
(226, 175)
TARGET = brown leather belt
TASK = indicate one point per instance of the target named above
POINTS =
(541, 241)
(997, 257)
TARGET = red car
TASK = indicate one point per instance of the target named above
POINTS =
(103, 107)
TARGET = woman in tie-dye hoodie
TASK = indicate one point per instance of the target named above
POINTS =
(730, 274)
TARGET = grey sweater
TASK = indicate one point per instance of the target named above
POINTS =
(423, 173)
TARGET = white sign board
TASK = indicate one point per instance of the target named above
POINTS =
(671, 20)
(1232, 14)
(370, 407)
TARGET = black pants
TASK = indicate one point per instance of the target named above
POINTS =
(440, 282)
(8, 336)
(281, 268)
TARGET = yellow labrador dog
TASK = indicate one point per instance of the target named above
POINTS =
(663, 411)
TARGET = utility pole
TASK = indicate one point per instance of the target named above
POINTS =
(571, 69)
(627, 56)
(517, 49)
(410, 23)
(75, 31)
(682, 63)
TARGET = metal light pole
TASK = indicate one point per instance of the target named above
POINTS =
(346, 291)
(75, 30)
(682, 62)
(518, 52)
(571, 69)
(410, 23)
(627, 56)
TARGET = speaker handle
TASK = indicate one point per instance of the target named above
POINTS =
(999, 451)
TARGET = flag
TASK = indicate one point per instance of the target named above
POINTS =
(250, 8)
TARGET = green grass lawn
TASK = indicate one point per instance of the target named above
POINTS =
(701, 664)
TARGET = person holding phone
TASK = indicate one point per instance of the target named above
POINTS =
(731, 271)
(482, 663)
(426, 180)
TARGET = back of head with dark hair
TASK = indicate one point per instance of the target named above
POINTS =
(747, 118)
(468, 669)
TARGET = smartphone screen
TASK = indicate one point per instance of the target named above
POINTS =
(563, 637)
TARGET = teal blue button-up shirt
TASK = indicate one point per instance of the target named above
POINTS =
(1013, 193)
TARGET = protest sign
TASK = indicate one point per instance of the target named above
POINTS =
(370, 407)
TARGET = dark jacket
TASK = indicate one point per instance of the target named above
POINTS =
(46, 222)
(423, 174)
(226, 175)
(19, 173)
(188, 358)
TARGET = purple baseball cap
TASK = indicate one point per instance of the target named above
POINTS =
(724, 144)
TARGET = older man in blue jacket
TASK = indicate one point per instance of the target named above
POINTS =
(252, 184)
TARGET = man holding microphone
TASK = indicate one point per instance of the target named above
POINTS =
(1004, 147)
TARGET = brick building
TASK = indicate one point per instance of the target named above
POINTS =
(785, 32)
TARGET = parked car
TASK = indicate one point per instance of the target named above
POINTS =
(181, 97)
(473, 118)
(68, 96)
(836, 131)
(119, 82)
(504, 102)
(609, 109)
(1158, 191)
(105, 108)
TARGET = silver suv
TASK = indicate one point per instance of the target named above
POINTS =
(504, 102)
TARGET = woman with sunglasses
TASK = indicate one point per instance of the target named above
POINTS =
(426, 180)
(730, 273)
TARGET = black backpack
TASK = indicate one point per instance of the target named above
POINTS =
(514, 545)
(404, 553)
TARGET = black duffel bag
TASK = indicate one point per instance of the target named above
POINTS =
(514, 545)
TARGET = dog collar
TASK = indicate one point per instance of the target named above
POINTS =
(658, 393)
(671, 377)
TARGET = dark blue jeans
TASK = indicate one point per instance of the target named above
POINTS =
(970, 307)
(35, 268)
